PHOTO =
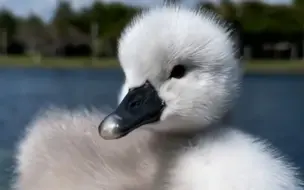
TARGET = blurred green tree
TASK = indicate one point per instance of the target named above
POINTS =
(106, 21)
(8, 26)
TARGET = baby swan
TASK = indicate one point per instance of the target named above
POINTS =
(181, 79)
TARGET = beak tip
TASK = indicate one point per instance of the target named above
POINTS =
(109, 128)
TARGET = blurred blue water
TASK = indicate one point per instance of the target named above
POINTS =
(271, 106)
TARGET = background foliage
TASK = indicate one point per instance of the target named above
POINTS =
(98, 26)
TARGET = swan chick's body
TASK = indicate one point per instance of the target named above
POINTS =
(186, 148)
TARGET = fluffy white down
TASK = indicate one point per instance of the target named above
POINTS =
(158, 40)
(61, 149)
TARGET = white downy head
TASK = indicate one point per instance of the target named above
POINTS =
(189, 58)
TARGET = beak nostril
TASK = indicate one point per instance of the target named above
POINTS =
(135, 104)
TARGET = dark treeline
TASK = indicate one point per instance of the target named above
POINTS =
(266, 29)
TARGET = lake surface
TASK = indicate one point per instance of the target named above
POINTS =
(270, 106)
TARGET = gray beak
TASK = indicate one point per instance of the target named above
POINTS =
(141, 106)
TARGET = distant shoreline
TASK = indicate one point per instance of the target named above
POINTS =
(252, 67)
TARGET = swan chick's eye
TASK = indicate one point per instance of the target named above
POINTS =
(178, 71)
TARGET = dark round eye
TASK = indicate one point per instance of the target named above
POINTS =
(178, 71)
